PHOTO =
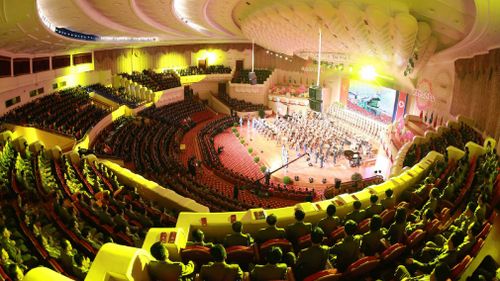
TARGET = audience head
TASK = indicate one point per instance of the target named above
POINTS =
(274, 255)
(428, 214)
(78, 259)
(400, 215)
(237, 226)
(317, 235)
(373, 198)
(331, 210)
(159, 251)
(299, 215)
(441, 272)
(474, 229)
(388, 193)
(454, 240)
(434, 192)
(271, 220)
(198, 235)
(375, 223)
(218, 253)
(471, 207)
(350, 227)
(356, 205)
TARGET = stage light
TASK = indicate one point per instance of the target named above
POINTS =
(368, 73)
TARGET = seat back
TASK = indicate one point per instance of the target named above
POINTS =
(460, 267)
(415, 238)
(198, 254)
(364, 226)
(337, 233)
(485, 230)
(477, 246)
(361, 267)
(324, 275)
(393, 252)
(283, 244)
(304, 241)
(387, 216)
(240, 254)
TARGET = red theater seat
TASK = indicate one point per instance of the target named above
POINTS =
(361, 267)
(364, 226)
(283, 244)
(324, 275)
(337, 233)
(304, 241)
(477, 246)
(393, 252)
(459, 268)
(485, 231)
(387, 216)
(415, 238)
(240, 254)
(198, 254)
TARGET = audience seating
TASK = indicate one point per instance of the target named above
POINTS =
(213, 69)
(242, 76)
(51, 113)
(154, 81)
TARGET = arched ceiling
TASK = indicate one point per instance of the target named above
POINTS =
(392, 31)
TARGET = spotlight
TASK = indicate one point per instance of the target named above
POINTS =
(368, 73)
(267, 51)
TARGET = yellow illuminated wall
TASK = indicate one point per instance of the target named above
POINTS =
(213, 56)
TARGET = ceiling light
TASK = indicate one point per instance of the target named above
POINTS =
(368, 73)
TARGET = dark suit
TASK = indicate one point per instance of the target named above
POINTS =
(329, 224)
(449, 257)
(396, 232)
(388, 203)
(374, 209)
(371, 244)
(237, 239)
(221, 271)
(169, 270)
(296, 230)
(269, 272)
(268, 233)
(310, 261)
(346, 251)
(356, 215)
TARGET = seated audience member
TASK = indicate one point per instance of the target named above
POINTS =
(480, 211)
(396, 231)
(426, 217)
(15, 272)
(165, 269)
(357, 214)
(198, 239)
(433, 200)
(449, 190)
(273, 270)
(270, 232)
(346, 251)
(79, 268)
(375, 208)
(372, 241)
(448, 256)
(237, 238)
(465, 219)
(440, 273)
(219, 270)
(312, 259)
(472, 232)
(388, 202)
(331, 221)
(67, 254)
(298, 229)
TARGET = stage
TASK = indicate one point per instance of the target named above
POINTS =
(269, 152)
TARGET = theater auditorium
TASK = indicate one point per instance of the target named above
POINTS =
(253, 140)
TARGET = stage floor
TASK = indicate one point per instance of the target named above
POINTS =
(269, 152)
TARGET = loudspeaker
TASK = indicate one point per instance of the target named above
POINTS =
(315, 93)
(338, 182)
(252, 78)
(315, 105)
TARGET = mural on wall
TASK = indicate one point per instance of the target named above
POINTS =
(423, 95)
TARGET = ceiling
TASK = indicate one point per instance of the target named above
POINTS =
(393, 32)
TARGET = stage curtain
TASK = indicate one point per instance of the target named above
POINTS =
(476, 92)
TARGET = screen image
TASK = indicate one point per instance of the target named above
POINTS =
(374, 101)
